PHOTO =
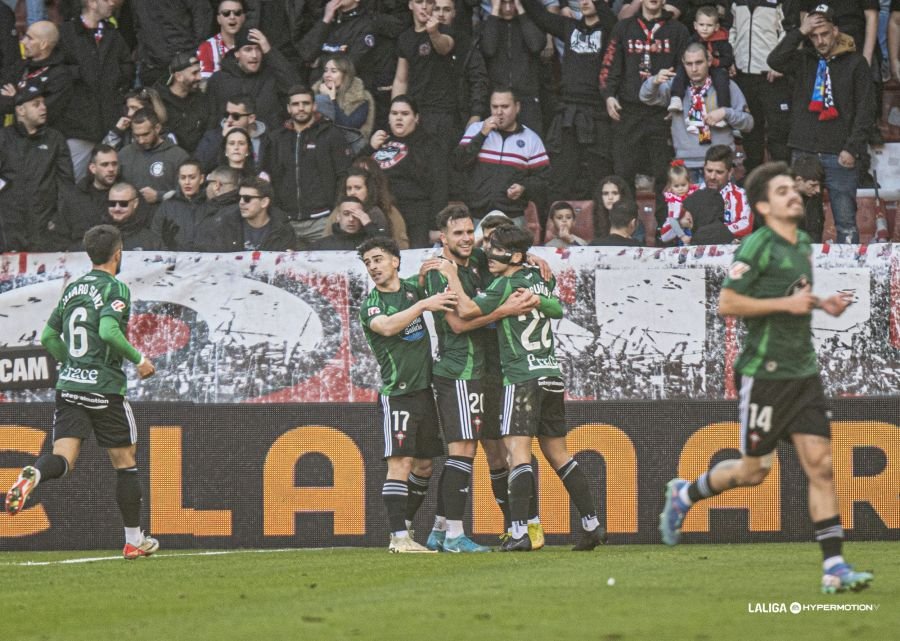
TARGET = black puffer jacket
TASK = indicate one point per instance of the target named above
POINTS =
(175, 221)
(33, 166)
(101, 75)
(167, 27)
(81, 206)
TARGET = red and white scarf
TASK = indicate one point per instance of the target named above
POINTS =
(697, 112)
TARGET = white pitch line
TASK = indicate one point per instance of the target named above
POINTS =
(96, 559)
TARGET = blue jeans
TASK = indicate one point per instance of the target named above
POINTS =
(841, 183)
(36, 10)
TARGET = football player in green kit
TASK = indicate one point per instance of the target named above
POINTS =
(86, 334)
(781, 397)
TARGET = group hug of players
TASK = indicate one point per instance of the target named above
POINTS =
(496, 380)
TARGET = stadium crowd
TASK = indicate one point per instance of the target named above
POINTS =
(230, 125)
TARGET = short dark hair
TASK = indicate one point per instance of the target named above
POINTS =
(622, 213)
(246, 100)
(709, 11)
(757, 183)
(505, 89)
(225, 174)
(145, 115)
(192, 162)
(512, 238)
(300, 90)
(349, 199)
(808, 167)
(720, 153)
(101, 148)
(451, 212)
(262, 187)
(695, 47)
(408, 100)
(240, 2)
(379, 242)
(101, 242)
(559, 206)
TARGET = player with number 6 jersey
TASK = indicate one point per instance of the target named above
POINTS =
(86, 334)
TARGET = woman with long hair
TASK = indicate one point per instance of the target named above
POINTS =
(417, 172)
(341, 96)
(361, 183)
(237, 152)
(611, 190)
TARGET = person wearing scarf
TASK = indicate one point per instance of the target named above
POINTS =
(832, 111)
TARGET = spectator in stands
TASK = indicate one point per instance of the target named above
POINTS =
(757, 29)
(175, 219)
(306, 158)
(641, 46)
(102, 71)
(703, 122)
(579, 138)
(240, 111)
(512, 44)
(714, 39)
(416, 170)
(43, 64)
(151, 162)
(165, 29)
(354, 225)
(505, 162)
(832, 108)
(611, 190)
(120, 134)
(702, 214)
(34, 162)
(341, 96)
(125, 211)
(221, 195)
(254, 224)
(9, 43)
(808, 177)
(560, 226)
(470, 71)
(718, 168)
(83, 205)
(346, 27)
(622, 217)
(370, 187)
(230, 16)
(237, 153)
(284, 22)
(252, 68)
(425, 74)
(185, 103)
(488, 224)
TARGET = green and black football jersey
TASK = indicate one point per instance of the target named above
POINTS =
(91, 365)
(778, 346)
(405, 358)
(526, 342)
(460, 356)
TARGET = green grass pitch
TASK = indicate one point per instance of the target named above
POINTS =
(688, 593)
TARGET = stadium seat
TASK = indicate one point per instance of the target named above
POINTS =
(646, 203)
(533, 222)
(584, 220)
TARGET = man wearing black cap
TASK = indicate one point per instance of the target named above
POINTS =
(186, 106)
(165, 29)
(832, 107)
(43, 64)
(34, 159)
(254, 68)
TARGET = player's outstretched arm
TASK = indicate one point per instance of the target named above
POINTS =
(836, 303)
(391, 325)
(112, 335)
(799, 303)
(519, 303)
(53, 342)
(550, 307)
